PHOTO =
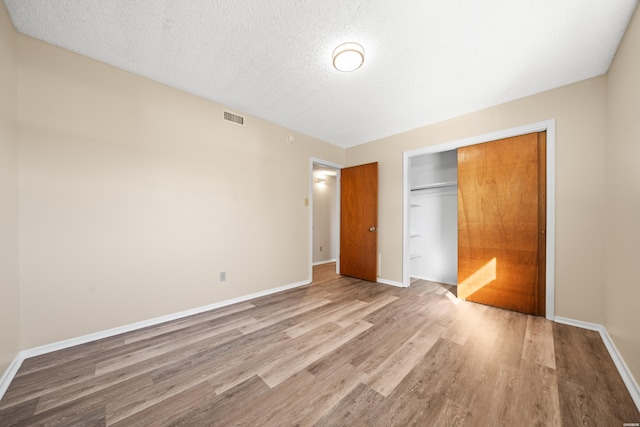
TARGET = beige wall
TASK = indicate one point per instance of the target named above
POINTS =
(134, 196)
(9, 286)
(580, 113)
(622, 278)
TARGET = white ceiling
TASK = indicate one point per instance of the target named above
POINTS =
(426, 60)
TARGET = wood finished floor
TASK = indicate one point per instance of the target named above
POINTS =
(339, 352)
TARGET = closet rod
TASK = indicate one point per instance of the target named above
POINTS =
(435, 185)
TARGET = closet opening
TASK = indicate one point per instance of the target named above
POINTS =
(433, 218)
(432, 186)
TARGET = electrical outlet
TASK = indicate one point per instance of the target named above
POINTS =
(223, 276)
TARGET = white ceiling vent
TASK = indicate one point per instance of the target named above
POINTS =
(232, 118)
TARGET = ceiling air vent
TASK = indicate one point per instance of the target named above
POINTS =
(233, 118)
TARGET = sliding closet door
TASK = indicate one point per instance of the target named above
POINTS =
(501, 218)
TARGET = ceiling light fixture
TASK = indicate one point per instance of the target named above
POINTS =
(348, 57)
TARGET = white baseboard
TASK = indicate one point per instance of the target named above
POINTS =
(578, 323)
(12, 370)
(389, 282)
(623, 369)
(323, 262)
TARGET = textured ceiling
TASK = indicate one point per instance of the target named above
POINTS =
(426, 60)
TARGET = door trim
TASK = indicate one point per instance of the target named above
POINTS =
(550, 127)
(338, 167)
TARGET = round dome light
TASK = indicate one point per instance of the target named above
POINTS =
(348, 57)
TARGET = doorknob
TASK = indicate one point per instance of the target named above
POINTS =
(372, 229)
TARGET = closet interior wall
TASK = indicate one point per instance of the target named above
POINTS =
(433, 220)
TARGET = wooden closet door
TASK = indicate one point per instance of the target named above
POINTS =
(500, 220)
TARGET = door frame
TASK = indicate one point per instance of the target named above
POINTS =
(550, 127)
(338, 168)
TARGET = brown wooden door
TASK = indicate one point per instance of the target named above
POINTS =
(359, 221)
(501, 218)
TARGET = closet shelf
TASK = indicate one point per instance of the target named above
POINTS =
(434, 185)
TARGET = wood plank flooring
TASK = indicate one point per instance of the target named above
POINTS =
(338, 352)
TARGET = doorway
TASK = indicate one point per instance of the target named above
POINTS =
(549, 127)
(324, 210)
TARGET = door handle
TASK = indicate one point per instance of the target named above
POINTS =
(372, 229)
